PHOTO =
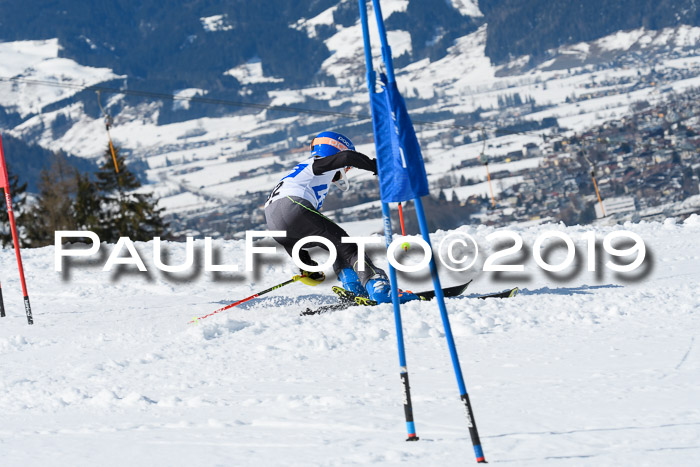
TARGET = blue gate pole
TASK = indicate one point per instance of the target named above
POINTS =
(420, 213)
(471, 422)
(386, 50)
(388, 236)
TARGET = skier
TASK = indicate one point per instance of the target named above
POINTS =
(294, 206)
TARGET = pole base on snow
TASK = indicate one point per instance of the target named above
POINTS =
(473, 432)
(28, 310)
(407, 404)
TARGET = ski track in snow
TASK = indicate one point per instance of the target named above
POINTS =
(581, 372)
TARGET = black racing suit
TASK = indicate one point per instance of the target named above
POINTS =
(299, 218)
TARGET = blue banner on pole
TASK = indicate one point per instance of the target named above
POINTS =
(399, 160)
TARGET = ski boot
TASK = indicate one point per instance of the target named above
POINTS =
(379, 290)
(351, 282)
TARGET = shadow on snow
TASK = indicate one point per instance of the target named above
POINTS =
(582, 290)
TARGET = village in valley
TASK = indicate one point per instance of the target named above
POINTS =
(645, 166)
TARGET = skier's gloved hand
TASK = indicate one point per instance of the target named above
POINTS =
(311, 278)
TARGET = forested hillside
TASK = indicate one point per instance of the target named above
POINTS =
(530, 27)
(165, 41)
(170, 44)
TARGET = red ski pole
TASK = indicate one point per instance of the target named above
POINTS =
(5, 183)
(293, 279)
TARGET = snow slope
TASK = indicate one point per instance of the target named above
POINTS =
(580, 370)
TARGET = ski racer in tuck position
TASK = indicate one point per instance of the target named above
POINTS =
(294, 206)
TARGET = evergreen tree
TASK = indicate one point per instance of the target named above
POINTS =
(19, 199)
(126, 213)
(587, 215)
(87, 206)
(69, 200)
(54, 207)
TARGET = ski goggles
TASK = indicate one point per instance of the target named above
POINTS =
(329, 141)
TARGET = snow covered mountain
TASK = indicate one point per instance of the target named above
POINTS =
(582, 368)
(203, 159)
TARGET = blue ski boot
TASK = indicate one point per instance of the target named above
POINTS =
(351, 282)
(379, 290)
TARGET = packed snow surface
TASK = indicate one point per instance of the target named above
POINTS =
(582, 368)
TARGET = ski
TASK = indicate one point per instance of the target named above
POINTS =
(348, 299)
(345, 302)
(454, 291)
(505, 294)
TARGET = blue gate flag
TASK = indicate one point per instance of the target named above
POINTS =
(399, 160)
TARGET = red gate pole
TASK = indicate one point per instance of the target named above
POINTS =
(5, 183)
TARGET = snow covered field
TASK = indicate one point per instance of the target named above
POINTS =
(582, 370)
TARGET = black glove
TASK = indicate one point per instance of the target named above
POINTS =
(306, 259)
(311, 278)
(317, 276)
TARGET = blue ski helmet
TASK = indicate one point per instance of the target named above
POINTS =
(328, 143)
